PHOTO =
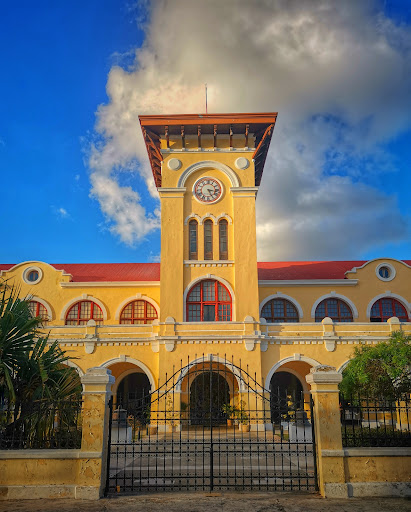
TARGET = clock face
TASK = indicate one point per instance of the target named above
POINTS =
(207, 190)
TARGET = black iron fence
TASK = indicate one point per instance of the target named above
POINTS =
(40, 424)
(211, 426)
(368, 421)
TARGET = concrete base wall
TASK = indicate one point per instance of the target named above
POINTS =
(37, 474)
(381, 472)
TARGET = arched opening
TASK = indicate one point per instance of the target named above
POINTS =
(334, 308)
(133, 394)
(387, 307)
(209, 392)
(286, 394)
(208, 301)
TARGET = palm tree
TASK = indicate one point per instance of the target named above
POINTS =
(18, 331)
(37, 389)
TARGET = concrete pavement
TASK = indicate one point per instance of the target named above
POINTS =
(217, 502)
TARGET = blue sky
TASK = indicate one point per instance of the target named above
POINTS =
(76, 183)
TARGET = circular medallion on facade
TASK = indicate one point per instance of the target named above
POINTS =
(207, 190)
(174, 164)
(242, 163)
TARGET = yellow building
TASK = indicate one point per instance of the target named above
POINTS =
(209, 299)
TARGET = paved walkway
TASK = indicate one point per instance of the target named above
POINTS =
(219, 502)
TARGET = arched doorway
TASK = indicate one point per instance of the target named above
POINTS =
(286, 393)
(209, 391)
(133, 394)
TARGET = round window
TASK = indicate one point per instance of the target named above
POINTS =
(384, 272)
(32, 276)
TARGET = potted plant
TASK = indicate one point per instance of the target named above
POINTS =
(243, 418)
(230, 411)
(171, 415)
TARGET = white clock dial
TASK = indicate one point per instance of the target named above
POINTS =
(207, 190)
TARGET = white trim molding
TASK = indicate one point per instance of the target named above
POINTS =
(390, 295)
(279, 364)
(137, 296)
(280, 295)
(70, 363)
(136, 362)
(43, 303)
(333, 295)
(343, 366)
(208, 164)
(215, 278)
(80, 298)
(354, 269)
(191, 217)
(201, 220)
(14, 267)
(226, 217)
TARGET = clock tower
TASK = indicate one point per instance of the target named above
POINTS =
(207, 169)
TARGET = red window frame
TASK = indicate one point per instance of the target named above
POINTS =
(215, 302)
(336, 318)
(285, 317)
(79, 318)
(381, 316)
(132, 320)
(39, 311)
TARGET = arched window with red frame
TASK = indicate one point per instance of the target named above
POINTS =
(336, 309)
(83, 311)
(37, 309)
(386, 308)
(209, 301)
(138, 312)
(279, 310)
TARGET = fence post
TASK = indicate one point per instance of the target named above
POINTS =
(324, 382)
(97, 383)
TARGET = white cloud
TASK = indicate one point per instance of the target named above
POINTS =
(60, 212)
(339, 73)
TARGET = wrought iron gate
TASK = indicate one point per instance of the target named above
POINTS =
(211, 426)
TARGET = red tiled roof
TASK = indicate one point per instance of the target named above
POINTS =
(282, 270)
(92, 272)
(279, 270)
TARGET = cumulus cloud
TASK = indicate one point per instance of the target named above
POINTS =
(338, 73)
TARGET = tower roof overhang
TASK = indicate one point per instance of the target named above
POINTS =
(156, 127)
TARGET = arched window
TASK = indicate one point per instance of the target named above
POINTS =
(83, 311)
(387, 307)
(193, 240)
(138, 312)
(208, 239)
(336, 309)
(279, 310)
(37, 309)
(223, 239)
(208, 301)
